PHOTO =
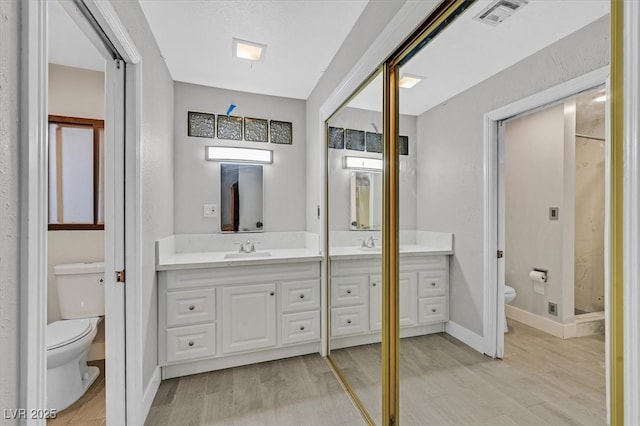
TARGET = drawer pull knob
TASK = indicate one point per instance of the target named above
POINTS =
(302, 328)
(191, 307)
(374, 284)
(348, 291)
(348, 321)
(302, 296)
(433, 309)
(433, 284)
(190, 342)
(272, 293)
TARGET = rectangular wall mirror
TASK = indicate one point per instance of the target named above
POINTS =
(241, 196)
(366, 201)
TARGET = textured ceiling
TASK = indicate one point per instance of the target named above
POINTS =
(469, 52)
(302, 38)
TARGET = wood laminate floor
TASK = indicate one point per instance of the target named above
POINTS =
(542, 380)
(89, 410)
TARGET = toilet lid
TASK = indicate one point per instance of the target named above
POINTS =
(63, 332)
(509, 290)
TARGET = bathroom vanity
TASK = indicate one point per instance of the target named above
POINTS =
(356, 293)
(220, 309)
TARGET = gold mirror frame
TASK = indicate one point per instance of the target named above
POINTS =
(442, 16)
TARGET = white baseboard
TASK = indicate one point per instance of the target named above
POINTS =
(563, 331)
(465, 335)
(150, 394)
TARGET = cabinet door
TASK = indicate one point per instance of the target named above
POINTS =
(408, 301)
(248, 317)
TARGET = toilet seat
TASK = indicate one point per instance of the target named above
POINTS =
(64, 332)
(509, 290)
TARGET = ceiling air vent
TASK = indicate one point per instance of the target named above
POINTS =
(498, 11)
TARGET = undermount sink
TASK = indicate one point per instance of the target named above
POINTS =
(375, 249)
(242, 255)
(371, 249)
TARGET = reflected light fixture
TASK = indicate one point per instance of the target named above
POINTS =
(248, 50)
(363, 163)
(600, 98)
(407, 81)
(238, 155)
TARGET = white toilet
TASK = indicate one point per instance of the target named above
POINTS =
(509, 296)
(81, 297)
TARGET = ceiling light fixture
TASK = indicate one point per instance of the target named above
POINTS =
(600, 98)
(248, 50)
(407, 81)
(238, 155)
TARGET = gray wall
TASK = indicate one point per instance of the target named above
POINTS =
(451, 169)
(369, 26)
(197, 181)
(340, 178)
(534, 147)
(9, 203)
(156, 167)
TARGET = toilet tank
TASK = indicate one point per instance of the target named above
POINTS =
(80, 289)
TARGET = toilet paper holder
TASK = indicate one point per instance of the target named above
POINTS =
(545, 273)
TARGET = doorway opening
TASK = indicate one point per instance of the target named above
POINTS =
(554, 215)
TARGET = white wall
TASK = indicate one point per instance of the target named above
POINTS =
(534, 181)
(73, 92)
(197, 181)
(340, 178)
(10, 48)
(156, 169)
(76, 92)
(451, 169)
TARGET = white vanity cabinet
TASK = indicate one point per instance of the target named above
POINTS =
(356, 298)
(220, 317)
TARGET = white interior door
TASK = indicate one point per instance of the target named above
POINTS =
(500, 314)
(114, 243)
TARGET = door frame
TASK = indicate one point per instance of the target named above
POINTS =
(493, 187)
(124, 391)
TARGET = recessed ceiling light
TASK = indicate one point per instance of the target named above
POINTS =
(248, 50)
(407, 81)
(498, 11)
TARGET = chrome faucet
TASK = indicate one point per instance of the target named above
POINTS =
(369, 242)
(247, 247)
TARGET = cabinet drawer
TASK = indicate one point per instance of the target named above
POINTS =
(432, 309)
(191, 307)
(300, 327)
(192, 342)
(300, 296)
(350, 320)
(432, 283)
(349, 291)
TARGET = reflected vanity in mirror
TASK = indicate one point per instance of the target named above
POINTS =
(241, 207)
(366, 201)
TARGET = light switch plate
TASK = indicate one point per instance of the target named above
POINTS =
(210, 210)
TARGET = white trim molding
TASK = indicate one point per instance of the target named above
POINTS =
(465, 335)
(150, 394)
(34, 192)
(493, 296)
(631, 219)
(563, 331)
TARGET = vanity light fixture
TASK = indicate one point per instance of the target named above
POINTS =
(407, 81)
(238, 155)
(248, 50)
(363, 163)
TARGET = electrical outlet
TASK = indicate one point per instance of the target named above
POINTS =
(553, 308)
(210, 210)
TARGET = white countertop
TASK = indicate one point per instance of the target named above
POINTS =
(340, 253)
(216, 259)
